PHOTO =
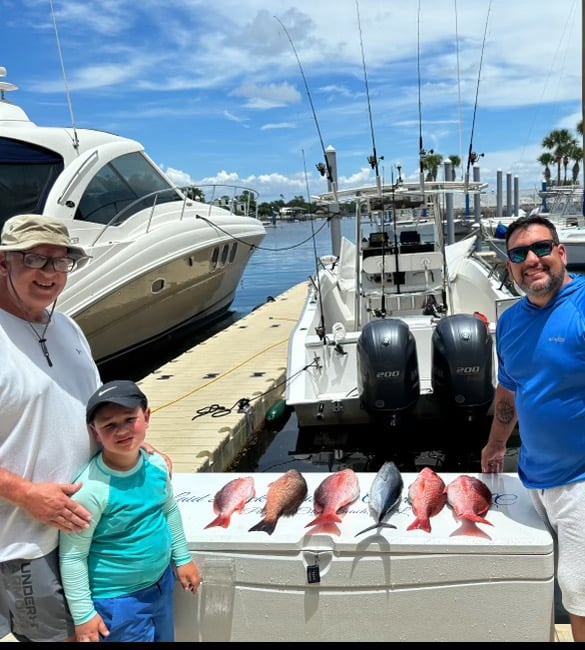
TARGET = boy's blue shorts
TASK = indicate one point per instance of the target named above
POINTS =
(146, 615)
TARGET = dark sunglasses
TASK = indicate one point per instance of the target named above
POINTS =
(539, 248)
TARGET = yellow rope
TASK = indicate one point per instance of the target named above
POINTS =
(221, 376)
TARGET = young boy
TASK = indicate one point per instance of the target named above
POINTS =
(119, 574)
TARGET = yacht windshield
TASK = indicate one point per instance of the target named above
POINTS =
(123, 187)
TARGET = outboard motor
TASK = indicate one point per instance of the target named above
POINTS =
(462, 366)
(387, 367)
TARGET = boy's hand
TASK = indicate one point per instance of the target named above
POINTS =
(90, 632)
(189, 576)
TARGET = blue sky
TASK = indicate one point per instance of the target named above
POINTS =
(215, 93)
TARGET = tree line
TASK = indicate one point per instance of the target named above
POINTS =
(560, 146)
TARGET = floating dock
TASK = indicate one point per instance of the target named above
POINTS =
(210, 402)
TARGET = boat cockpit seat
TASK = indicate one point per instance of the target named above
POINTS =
(409, 237)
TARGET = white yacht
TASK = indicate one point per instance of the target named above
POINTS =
(561, 205)
(160, 258)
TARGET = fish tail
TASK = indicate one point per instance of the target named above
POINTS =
(470, 529)
(477, 519)
(365, 530)
(264, 525)
(420, 524)
(378, 525)
(325, 518)
(326, 529)
(220, 520)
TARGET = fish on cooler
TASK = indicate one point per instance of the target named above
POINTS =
(283, 499)
(470, 498)
(232, 497)
(427, 497)
(335, 492)
(385, 495)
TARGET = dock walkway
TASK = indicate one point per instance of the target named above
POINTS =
(208, 403)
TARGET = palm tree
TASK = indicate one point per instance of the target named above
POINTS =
(455, 162)
(432, 162)
(560, 143)
(546, 159)
(194, 193)
(577, 156)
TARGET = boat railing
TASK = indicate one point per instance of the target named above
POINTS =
(240, 199)
(187, 197)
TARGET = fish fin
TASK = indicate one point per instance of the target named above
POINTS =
(420, 524)
(264, 525)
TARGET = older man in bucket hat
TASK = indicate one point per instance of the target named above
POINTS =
(47, 374)
(26, 231)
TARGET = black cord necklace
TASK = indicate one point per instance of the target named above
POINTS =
(41, 337)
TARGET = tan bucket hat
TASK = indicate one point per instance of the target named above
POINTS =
(25, 231)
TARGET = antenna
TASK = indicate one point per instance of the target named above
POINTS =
(75, 138)
(5, 87)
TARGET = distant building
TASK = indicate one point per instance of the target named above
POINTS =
(292, 214)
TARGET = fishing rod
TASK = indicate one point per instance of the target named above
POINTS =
(421, 151)
(374, 160)
(321, 329)
(327, 167)
(436, 207)
(323, 169)
(472, 156)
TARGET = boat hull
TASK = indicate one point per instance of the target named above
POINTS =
(189, 290)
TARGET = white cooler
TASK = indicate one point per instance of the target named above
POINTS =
(385, 585)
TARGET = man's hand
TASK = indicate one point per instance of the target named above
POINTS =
(50, 503)
(149, 449)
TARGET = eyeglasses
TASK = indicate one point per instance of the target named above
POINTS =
(34, 261)
(539, 248)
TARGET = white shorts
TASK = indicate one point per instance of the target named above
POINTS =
(563, 509)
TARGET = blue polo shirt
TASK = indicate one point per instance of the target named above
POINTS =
(541, 357)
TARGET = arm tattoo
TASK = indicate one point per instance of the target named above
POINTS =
(505, 412)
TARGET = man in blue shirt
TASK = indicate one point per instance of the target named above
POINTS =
(540, 343)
